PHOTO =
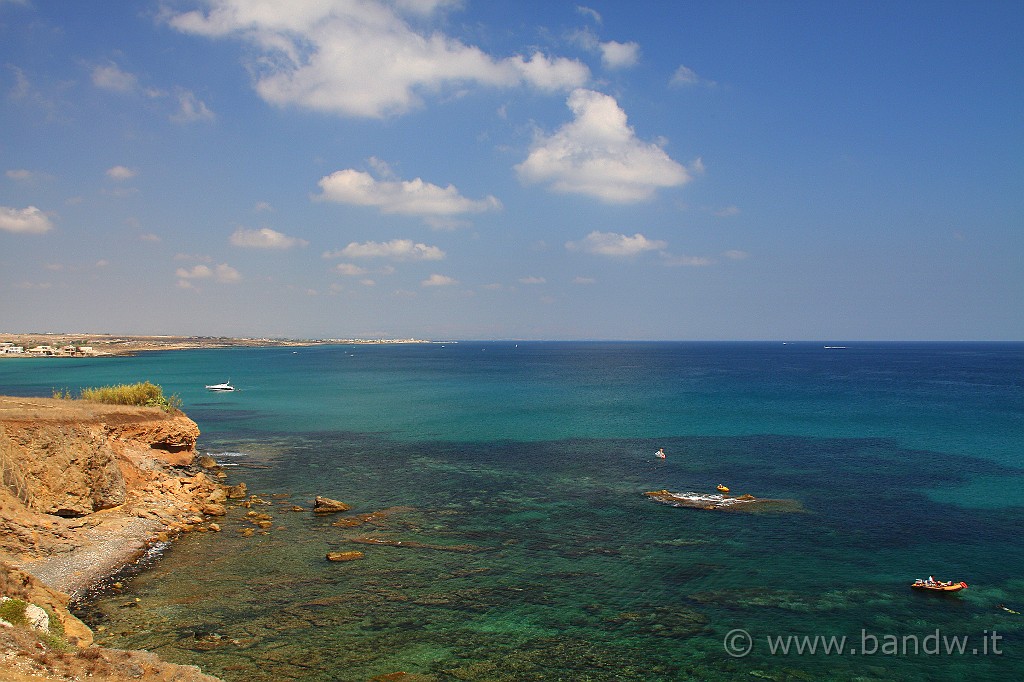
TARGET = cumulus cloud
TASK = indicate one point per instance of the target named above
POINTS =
(436, 280)
(407, 197)
(396, 249)
(615, 55)
(598, 154)
(121, 173)
(111, 77)
(615, 245)
(363, 59)
(264, 238)
(24, 220)
(222, 273)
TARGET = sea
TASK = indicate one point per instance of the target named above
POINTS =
(497, 495)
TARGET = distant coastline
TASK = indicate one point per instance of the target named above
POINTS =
(66, 345)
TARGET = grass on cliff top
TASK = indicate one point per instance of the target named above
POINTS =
(143, 394)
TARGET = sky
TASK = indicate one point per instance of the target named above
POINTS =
(446, 169)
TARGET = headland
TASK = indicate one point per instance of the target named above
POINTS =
(87, 489)
(67, 344)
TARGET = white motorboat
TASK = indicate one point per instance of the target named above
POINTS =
(226, 386)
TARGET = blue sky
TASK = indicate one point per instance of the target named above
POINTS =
(547, 170)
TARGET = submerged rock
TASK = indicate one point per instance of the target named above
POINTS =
(325, 505)
(344, 556)
(468, 549)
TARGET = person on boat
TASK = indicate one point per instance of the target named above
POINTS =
(660, 454)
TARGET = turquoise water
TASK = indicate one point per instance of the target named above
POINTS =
(512, 475)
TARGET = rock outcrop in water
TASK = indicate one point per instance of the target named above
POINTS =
(325, 505)
(720, 502)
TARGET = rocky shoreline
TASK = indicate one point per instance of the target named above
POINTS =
(87, 490)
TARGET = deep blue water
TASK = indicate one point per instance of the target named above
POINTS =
(516, 474)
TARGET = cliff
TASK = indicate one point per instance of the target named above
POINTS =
(86, 489)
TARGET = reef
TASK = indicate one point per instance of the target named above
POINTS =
(723, 502)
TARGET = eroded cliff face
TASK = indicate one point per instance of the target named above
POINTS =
(69, 458)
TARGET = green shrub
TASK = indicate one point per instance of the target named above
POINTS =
(144, 394)
(13, 611)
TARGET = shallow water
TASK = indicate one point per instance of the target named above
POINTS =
(512, 476)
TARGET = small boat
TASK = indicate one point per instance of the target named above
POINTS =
(226, 386)
(931, 585)
(722, 488)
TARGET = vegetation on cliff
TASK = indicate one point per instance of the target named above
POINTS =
(142, 394)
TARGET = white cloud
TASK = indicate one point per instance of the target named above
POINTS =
(583, 280)
(264, 238)
(532, 280)
(736, 254)
(226, 273)
(615, 55)
(396, 249)
(684, 77)
(350, 269)
(686, 261)
(121, 173)
(727, 212)
(24, 220)
(407, 197)
(21, 174)
(599, 155)
(222, 273)
(111, 77)
(363, 58)
(436, 280)
(616, 245)
(592, 14)
(191, 109)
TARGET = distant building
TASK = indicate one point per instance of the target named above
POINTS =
(11, 349)
(42, 350)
